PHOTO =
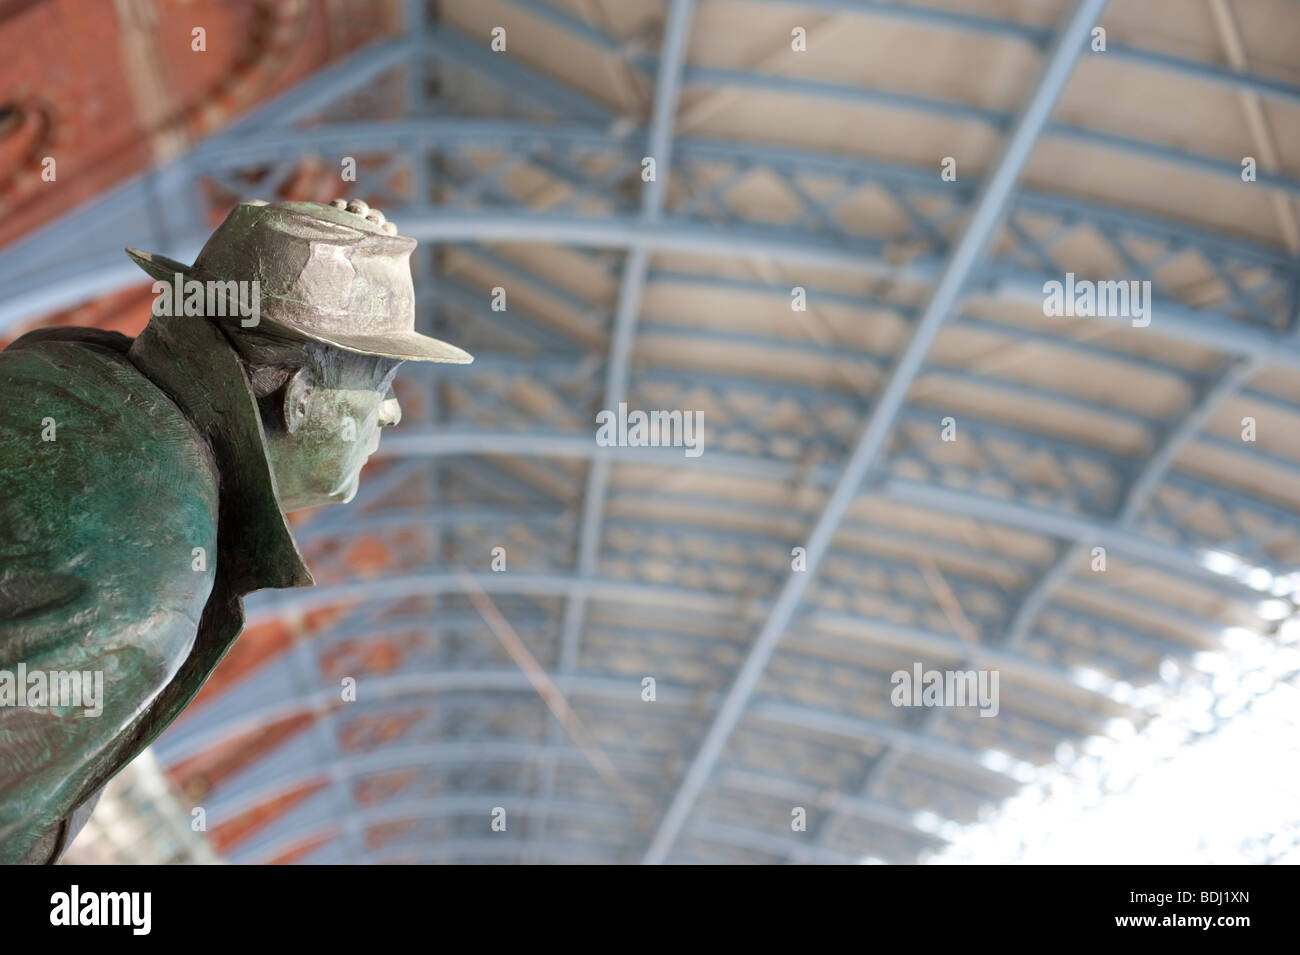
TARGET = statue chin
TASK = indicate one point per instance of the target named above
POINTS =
(343, 492)
(348, 489)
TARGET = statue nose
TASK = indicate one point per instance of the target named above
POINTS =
(390, 412)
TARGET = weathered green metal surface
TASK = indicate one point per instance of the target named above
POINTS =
(143, 486)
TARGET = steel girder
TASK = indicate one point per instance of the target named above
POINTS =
(897, 580)
(819, 626)
(1093, 478)
(845, 633)
(380, 692)
(319, 817)
(957, 21)
(1039, 595)
(296, 767)
(904, 624)
(1100, 500)
(1247, 331)
(499, 847)
(1035, 36)
(1231, 587)
(636, 592)
(408, 768)
(1240, 325)
(557, 371)
(622, 332)
(26, 295)
(902, 629)
(987, 214)
(1137, 495)
(1150, 548)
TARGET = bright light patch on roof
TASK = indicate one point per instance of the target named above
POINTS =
(1273, 609)
(1212, 778)
(927, 821)
(995, 760)
(1220, 562)
(1256, 578)
(1090, 679)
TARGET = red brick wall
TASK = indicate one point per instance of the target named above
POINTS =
(63, 73)
(65, 82)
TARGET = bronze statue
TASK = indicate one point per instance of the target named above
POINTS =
(143, 484)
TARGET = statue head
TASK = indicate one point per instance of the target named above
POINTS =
(318, 303)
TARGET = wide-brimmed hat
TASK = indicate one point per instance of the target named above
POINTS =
(324, 274)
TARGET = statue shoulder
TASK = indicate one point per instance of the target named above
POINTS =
(104, 481)
(108, 554)
(113, 341)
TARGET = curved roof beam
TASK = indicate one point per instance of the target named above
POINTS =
(873, 631)
(187, 739)
(961, 22)
(484, 850)
(318, 817)
(501, 846)
(438, 581)
(542, 369)
(426, 442)
(1147, 365)
(295, 767)
(270, 780)
(382, 520)
(996, 119)
(429, 520)
(1035, 36)
(27, 290)
(33, 293)
(824, 628)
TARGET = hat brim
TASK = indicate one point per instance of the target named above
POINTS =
(159, 266)
(401, 346)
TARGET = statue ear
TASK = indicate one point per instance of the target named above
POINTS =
(297, 398)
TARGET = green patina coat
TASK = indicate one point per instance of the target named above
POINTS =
(158, 449)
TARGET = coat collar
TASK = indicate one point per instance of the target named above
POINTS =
(193, 363)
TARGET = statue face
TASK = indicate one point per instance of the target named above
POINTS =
(329, 417)
(322, 409)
